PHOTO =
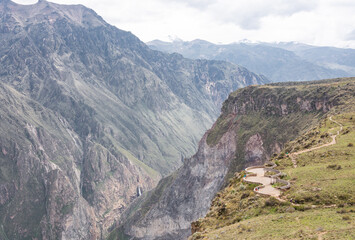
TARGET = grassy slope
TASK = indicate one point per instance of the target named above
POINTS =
(273, 127)
(324, 193)
(326, 175)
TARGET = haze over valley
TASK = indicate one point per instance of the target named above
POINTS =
(103, 136)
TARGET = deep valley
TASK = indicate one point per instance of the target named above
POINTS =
(105, 137)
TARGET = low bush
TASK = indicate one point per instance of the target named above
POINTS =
(334, 167)
(271, 202)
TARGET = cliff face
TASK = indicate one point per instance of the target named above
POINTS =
(308, 162)
(41, 180)
(256, 122)
(189, 195)
(105, 80)
(89, 115)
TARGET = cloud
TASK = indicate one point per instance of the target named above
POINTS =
(319, 22)
(248, 14)
(351, 35)
(198, 4)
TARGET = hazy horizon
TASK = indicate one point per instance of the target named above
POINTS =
(314, 22)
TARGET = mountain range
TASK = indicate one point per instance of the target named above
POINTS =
(91, 117)
(280, 62)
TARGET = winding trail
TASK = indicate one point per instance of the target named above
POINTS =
(256, 174)
(294, 155)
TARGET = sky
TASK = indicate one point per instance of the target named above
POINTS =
(316, 22)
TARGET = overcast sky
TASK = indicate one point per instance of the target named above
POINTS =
(317, 22)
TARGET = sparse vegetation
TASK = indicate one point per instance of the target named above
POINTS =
(271, 124)
(322, 194)
(237, 208)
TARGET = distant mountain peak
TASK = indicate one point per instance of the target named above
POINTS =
(94, 112)
(174, 38)
(48, 11)
(278, 61)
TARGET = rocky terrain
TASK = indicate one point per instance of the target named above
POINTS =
(320, 203)
(256, 122)
(91, 117)
(280, 62)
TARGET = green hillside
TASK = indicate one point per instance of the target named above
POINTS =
(320, 203)
(257, 123)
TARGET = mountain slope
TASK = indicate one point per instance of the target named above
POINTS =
(255, 123)
(93, 117)
(277, 62)
(42, 184)
(319, 204)
(330, 57)
(97, 64)
(333, 58)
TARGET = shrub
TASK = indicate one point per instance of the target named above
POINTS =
(236, 219)
(299, 208)
(342, 211)
(244, 195)
(298, 199)
(334, 167)
(308, 198)
(222, 210)
(271, 202)
(346, 131)
(307, 146)
(196, 236)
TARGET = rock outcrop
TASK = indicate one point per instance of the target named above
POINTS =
(252, 126)
(190, 194)
(89, 114)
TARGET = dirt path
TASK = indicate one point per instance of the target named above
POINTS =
(266, 182)
(294, 155)
(256, 174)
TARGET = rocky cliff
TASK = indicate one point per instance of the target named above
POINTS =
(91, 117)
(256, 122)
(319, 166)
(103, 79)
